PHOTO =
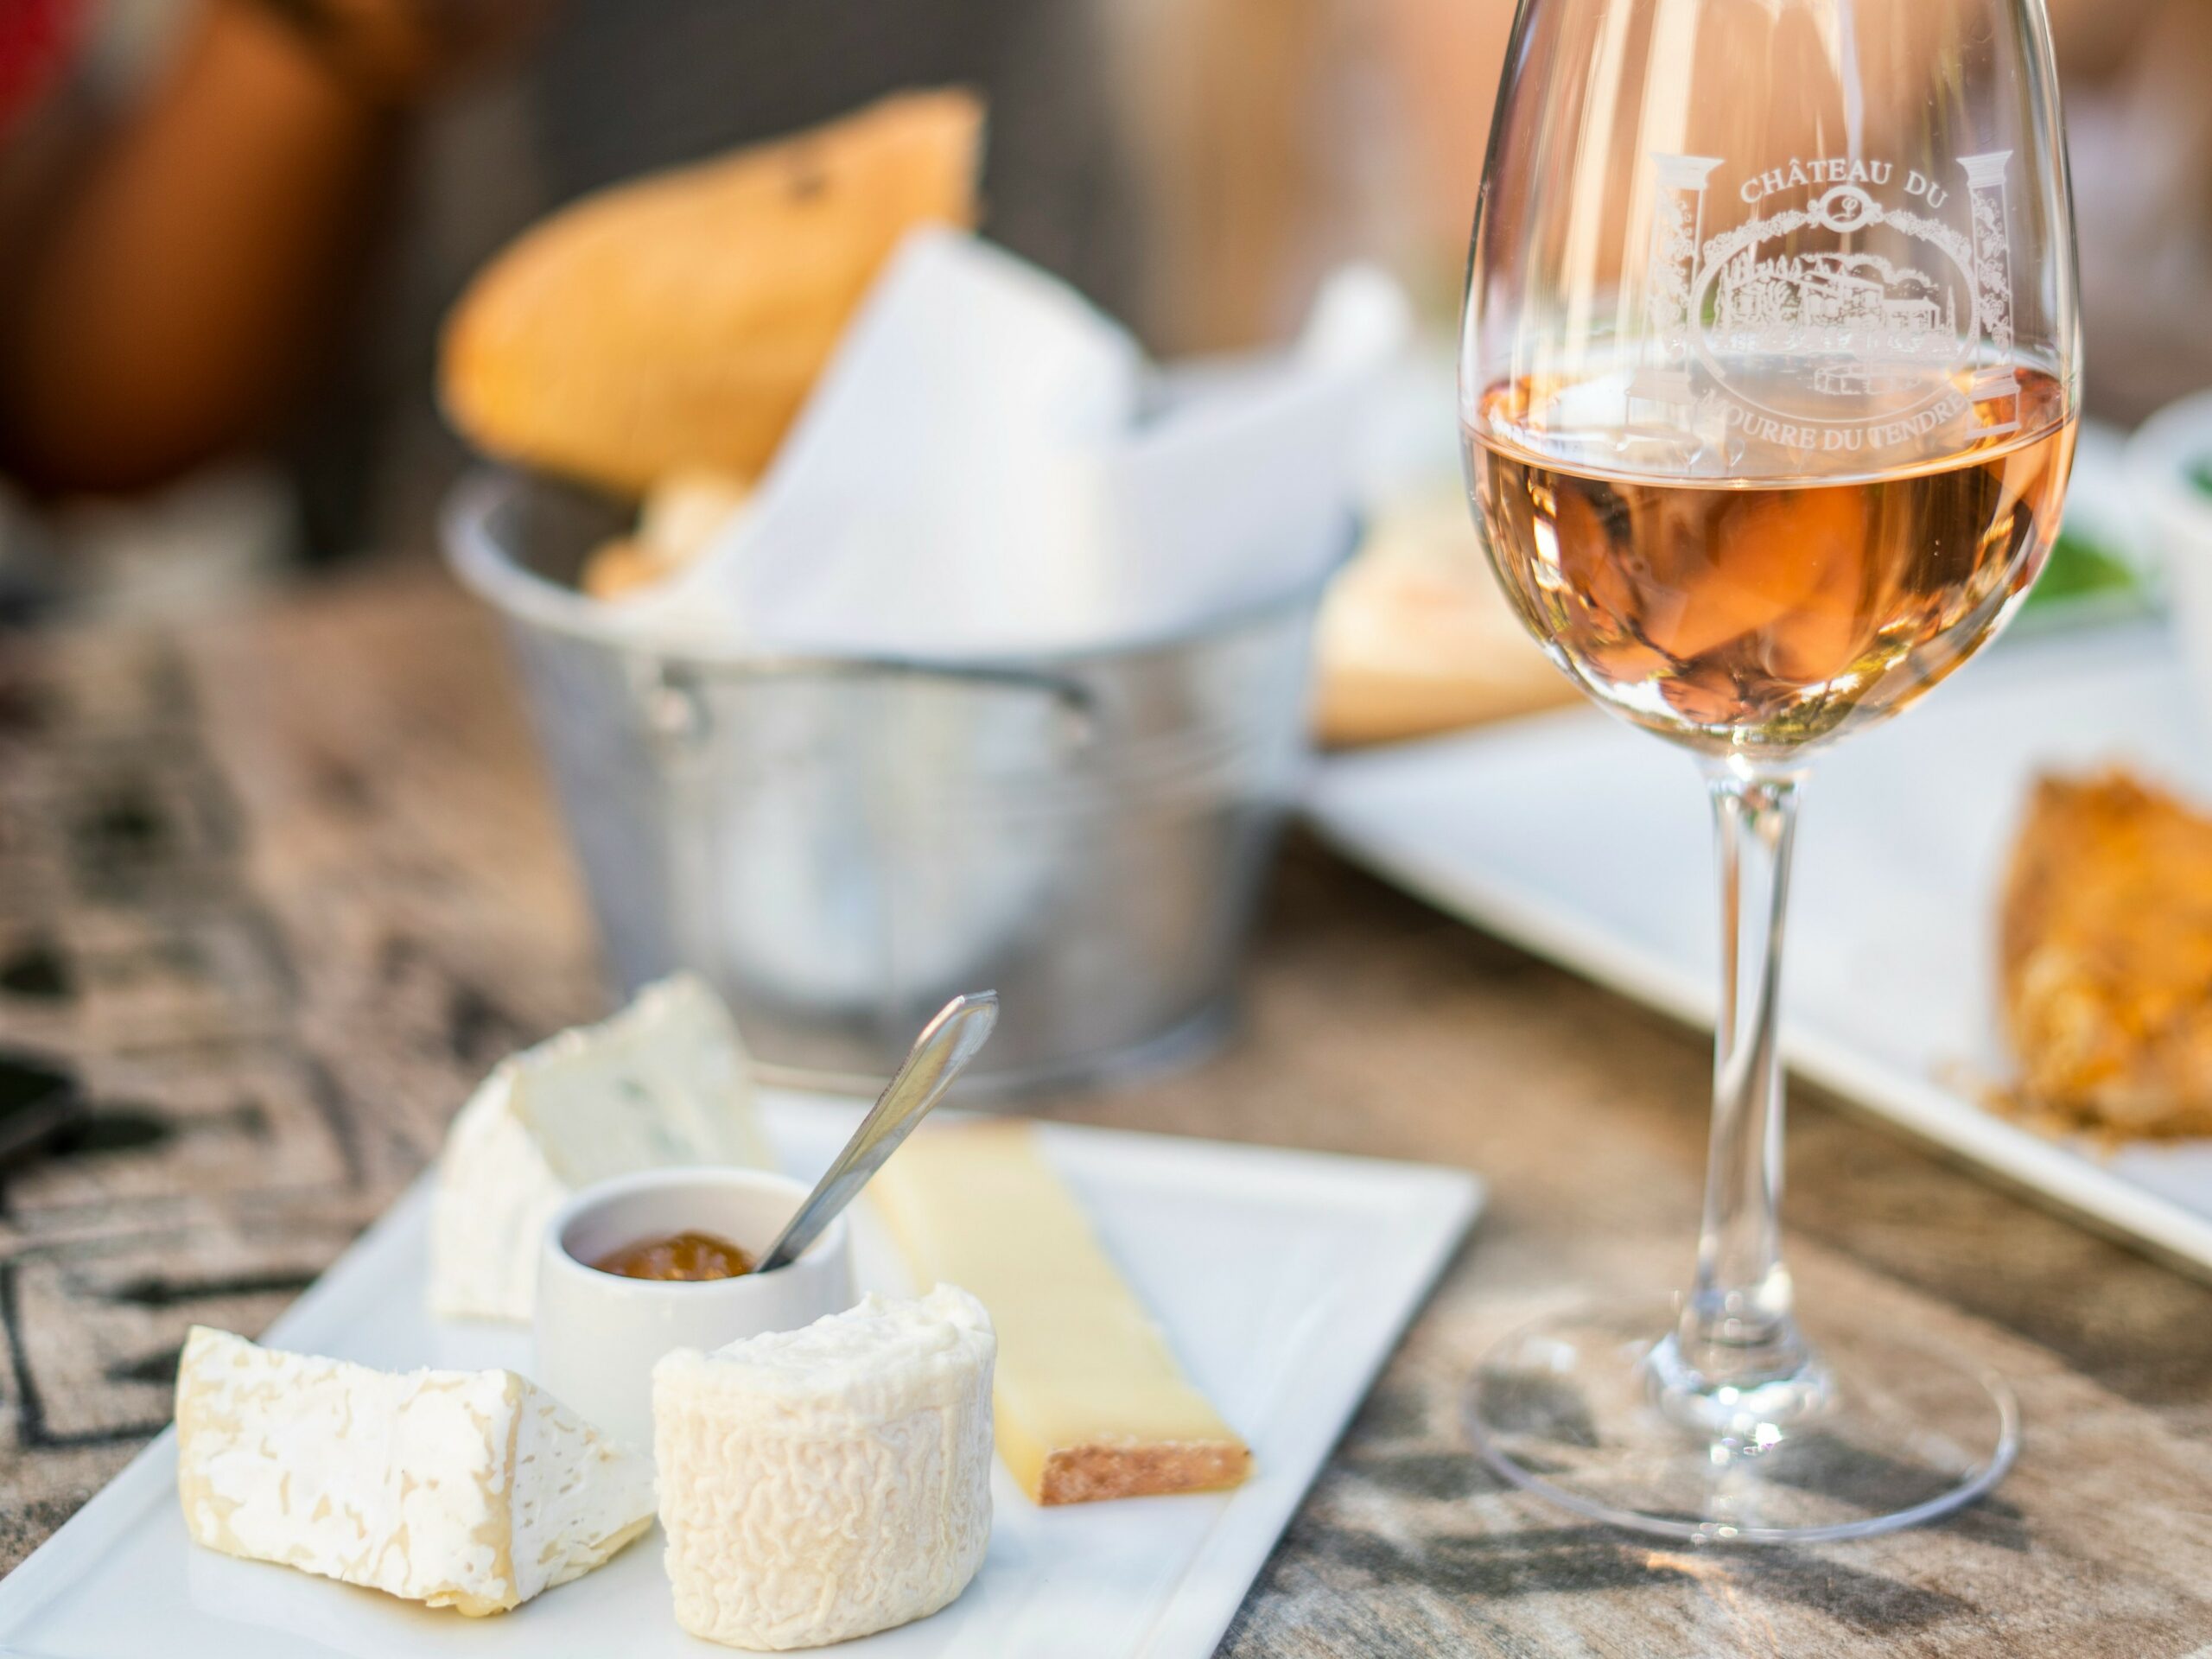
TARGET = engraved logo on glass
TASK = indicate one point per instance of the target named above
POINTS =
(1844, 322)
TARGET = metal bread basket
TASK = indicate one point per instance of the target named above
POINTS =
(841, 843)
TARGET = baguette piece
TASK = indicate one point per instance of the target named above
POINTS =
(2105, 954)
(1088, 1403)
(680, 515)
(680, 321)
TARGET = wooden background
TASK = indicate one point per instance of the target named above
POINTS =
(277, 888)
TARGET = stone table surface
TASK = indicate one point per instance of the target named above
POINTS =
(277, 887)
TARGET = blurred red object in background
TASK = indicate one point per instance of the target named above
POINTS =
(36, 37)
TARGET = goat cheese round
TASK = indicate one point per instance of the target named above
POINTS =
(822, 1484)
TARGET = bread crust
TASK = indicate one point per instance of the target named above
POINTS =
(680, 321)
(1417, 638)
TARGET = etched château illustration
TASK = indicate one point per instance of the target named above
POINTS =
(1852, 320)
(1857, 307)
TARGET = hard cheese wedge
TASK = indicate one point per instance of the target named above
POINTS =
(1088, 1403)
(471, 1490)
(664, 1082)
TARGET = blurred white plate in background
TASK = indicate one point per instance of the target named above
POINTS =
(1587, 842)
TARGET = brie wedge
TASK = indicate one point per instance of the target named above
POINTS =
(1091, 1401)
(821, 1484)
(472, 1490)
(664, 1082)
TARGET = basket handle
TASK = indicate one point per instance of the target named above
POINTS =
(668, 687)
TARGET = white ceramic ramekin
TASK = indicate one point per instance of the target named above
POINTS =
(598, 1333)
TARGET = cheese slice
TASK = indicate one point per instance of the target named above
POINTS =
(822, 1484)
(1089, 1401)
(664, 1082)
(471, 1490)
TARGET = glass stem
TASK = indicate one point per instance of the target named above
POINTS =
(1737, 1330)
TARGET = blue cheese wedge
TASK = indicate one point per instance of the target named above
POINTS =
(664, 1082)
(470, 1490)
(822, 1484)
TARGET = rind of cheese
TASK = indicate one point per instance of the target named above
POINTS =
(470, 1490)
(823, 1484)
(680, 321)
(1089, 1401)
(665, 1081)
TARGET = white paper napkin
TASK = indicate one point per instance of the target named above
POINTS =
(976, 475)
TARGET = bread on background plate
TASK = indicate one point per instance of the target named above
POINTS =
(675, 324)
(1416, 637)
(2105, 958)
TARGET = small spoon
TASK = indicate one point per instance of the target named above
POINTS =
(938, 1056)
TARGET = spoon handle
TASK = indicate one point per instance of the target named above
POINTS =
(940, 1055)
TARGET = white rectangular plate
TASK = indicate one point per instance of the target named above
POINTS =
(1283, 1280)
(1587, 841)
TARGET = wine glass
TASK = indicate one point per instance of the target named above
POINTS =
(1769, 379)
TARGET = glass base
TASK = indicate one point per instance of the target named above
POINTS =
(1591, 1412)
